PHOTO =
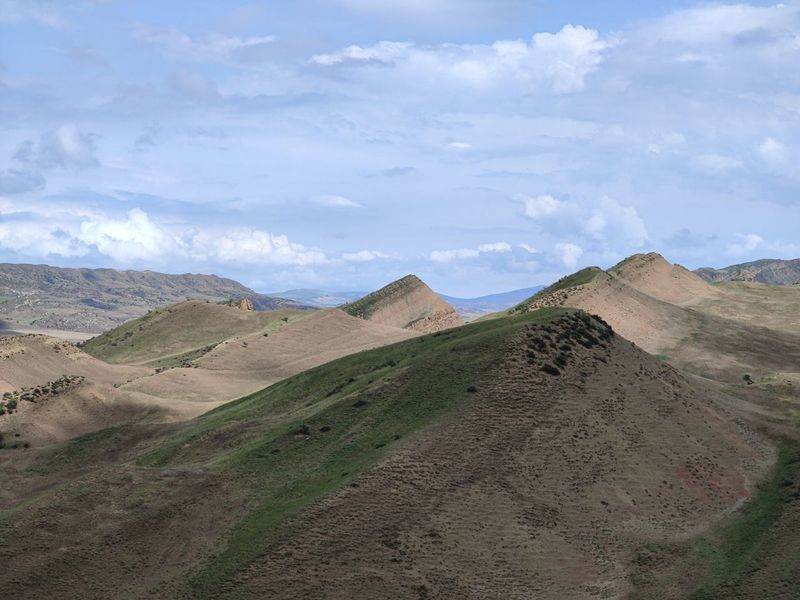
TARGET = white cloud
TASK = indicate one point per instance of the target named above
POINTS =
(366, 256)
(570, 55)
(66, 146)
(445, 256)
(337, 201)
(746, 242)
(459, 146)
(537, 207)
(614, 221)
(569, 254)
(715, 23)
(715, 163)
(213, 47)
(384, 52)
(528, 248)
(563, 59)
(136, 238)
(772, 151)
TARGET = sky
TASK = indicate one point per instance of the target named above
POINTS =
(484, 145)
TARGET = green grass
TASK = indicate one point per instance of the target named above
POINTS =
(725, 556)
(743, 539)
(581, 277)
(302, 438)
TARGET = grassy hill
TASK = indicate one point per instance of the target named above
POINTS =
(541, 439)
(181, 332)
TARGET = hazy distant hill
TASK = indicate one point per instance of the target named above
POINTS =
(94, 300)
(768, 270)
(319, 298)
(472, 308)
(468, 308)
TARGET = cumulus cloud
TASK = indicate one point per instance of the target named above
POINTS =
(382, 52)
(614, 221)
(66, 146)
(772, 151)
(136, 238)
(569, 254)
(745, 243)
(536, 207)
(563, 59)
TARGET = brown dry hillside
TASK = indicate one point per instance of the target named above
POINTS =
(654, 276)
(52, 391)
(521, 457)
(247, 363)
(407, 303)
(650, 323)
(187, 327)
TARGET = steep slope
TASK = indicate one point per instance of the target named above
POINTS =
(194, 327)
(94, 300)
(515, 457)
(647, 321)
(654, 276)
(407, 303)
(770, 271)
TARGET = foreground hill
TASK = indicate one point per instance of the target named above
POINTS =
(771, 271)
(406, 303)
(94, 300)
(521, 456)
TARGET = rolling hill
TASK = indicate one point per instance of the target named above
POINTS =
(520, 455)
(94, 300)
(770, 271)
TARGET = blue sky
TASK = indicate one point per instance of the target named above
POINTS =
(481, 144)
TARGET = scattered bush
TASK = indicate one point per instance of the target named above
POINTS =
(472, 389)
(550, 369)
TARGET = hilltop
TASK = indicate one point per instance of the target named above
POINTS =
(94, 300)
(770, 271)
(543, 441)
(407, 303)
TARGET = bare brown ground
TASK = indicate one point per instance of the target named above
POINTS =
(542, 487)
(653, 275)
(246, 364)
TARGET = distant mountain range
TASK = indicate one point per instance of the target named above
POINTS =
(94, 300)
(468, 308)
(768, 270)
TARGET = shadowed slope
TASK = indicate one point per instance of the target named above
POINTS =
(518, 455)
(407, 303)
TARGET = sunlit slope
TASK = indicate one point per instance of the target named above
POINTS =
(175, 330)
(543, 441)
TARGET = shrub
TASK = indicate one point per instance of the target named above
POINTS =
(472, 389)
(550, 369)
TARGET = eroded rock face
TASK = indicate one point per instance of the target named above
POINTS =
(407, 303)
(243, 304)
